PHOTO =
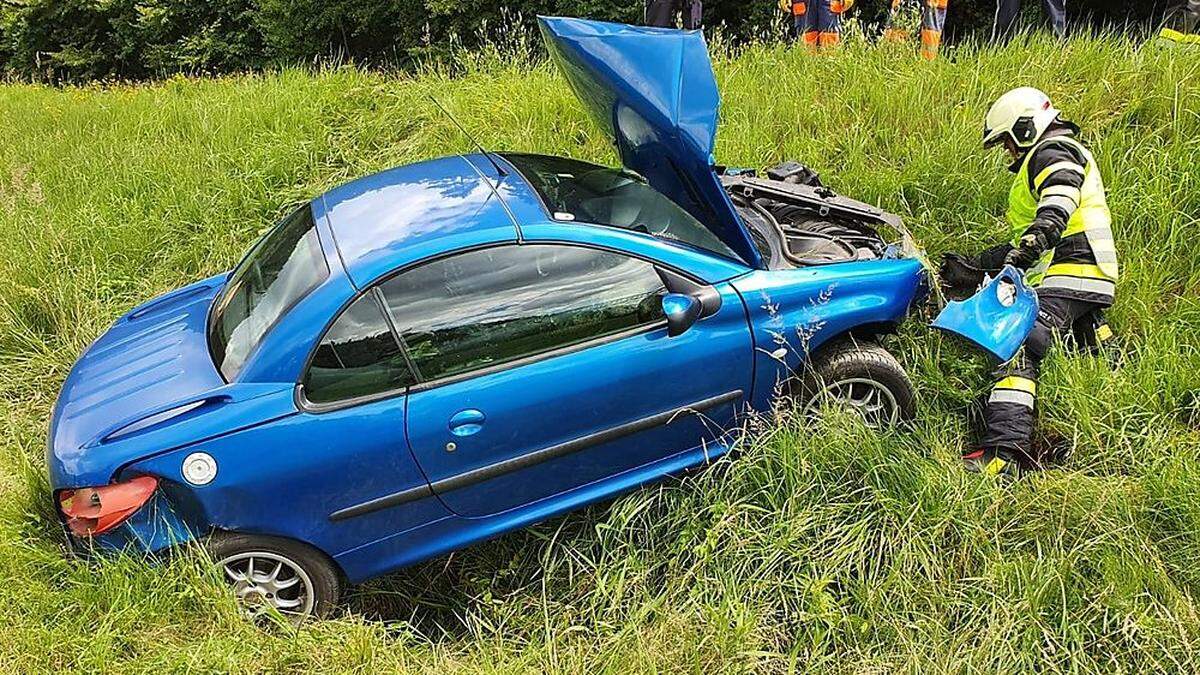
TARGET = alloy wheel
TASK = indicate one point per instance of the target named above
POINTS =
(866, 397)
(263, 580)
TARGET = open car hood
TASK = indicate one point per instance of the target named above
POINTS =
(654, 93)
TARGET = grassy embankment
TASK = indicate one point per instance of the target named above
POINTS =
(833, 548)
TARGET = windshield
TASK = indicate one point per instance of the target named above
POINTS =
(574, 190)
(281, 269)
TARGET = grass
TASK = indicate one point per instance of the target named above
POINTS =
(832, 548)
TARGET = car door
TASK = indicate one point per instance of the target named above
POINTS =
(546, 367)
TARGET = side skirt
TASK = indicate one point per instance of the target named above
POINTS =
(452, 533)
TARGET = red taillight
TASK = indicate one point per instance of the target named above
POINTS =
(97, 510)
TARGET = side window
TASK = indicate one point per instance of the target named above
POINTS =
(495, 305)
(358, 356)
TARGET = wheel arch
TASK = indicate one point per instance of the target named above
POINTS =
(222, 532)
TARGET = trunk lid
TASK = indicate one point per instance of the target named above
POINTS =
(149, 363)
(653, 91)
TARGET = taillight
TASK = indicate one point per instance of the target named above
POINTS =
(96, 510)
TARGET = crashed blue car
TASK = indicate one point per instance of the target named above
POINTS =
(439, 353)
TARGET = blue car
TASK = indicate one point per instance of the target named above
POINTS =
(442, 352)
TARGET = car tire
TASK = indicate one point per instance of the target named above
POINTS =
(860, 375)
(295, 578)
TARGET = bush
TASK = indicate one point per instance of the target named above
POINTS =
(80, 40)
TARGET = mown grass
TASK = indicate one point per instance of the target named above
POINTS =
(830, 548)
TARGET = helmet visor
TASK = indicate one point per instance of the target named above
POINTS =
(993, 137)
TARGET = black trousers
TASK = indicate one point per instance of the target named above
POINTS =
(662, 13)
(1008, 10)
(1009, 414)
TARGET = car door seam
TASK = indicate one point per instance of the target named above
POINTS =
(527, 460)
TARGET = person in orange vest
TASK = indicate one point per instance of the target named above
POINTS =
(819, 22)
(933, 22)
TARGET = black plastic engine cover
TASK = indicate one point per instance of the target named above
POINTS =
(822, 201)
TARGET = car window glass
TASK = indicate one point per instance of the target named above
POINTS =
(281, 269)
(358, 356)
(495, 305)
(575, 190)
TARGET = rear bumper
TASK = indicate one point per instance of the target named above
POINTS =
(157, 526)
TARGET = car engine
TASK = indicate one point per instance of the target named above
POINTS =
(795, 221)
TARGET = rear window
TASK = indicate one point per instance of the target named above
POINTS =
(281, 269)
(574, 190)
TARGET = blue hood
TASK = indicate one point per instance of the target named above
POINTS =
(654, 93)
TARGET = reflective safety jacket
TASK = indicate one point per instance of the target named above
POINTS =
(1060, 223)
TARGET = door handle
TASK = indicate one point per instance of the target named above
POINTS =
(466, 422)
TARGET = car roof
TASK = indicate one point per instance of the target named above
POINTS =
(404, 214)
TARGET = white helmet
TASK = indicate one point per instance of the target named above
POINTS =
(1023, 114)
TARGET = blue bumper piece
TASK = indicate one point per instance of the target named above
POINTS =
(998, 318)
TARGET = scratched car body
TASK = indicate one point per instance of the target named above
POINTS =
(442, 352)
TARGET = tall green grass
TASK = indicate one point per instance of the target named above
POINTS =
(818, 548)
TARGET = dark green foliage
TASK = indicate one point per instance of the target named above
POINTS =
(95, 39)
(81, 40)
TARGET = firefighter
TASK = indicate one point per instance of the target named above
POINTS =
(819, 22)
(933, 22)
(662, 13)
(1062, 239)
(1007, 12)
(1187, 29)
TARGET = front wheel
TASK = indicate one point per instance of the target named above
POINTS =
(272, 573)
(862, 377)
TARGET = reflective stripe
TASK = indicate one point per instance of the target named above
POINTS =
(1090, 215)
(1018, 383)
(1097, 286)
(1055, 167)
(1065, 203)
(1064, 190)
(1023, 398)
(1077, 270)
(995, 467)
(799, 9)
(1106, 254)
(1176, 36)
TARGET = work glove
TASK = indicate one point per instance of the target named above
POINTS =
(991, 260)
(960, 276)
(1024, 256)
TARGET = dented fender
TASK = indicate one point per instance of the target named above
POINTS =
(794, 312)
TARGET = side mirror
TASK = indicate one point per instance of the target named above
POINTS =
(682, 311)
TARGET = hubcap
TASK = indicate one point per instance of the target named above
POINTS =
(261, 579)
(866, 397)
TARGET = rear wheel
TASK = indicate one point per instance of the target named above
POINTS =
(862, 377)
(268, 573)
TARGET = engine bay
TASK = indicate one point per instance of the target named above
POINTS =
(795, 221)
